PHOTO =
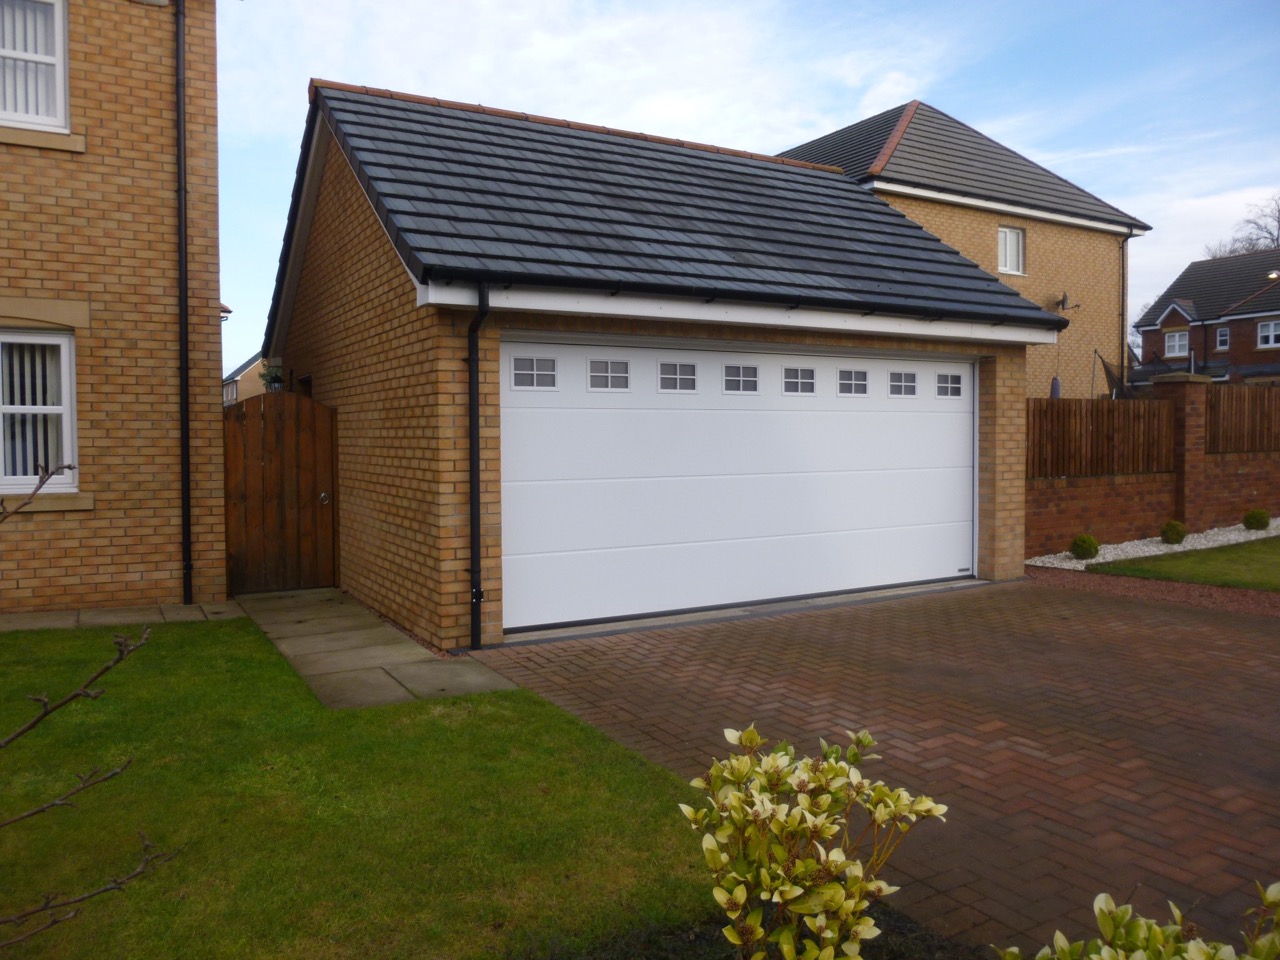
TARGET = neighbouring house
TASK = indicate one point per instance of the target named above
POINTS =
(244, 381)
(1220, 318)
(97, 327)
(1058, 245)
(581, 374)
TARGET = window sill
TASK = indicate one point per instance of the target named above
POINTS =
(51, 502)
(1012, 273)
(44, 139)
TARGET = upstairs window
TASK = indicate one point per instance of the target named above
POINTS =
(1269, 333)
(33, 64)
(1177, 344)
(36, 411)
(1013, 243)
(1223, 338)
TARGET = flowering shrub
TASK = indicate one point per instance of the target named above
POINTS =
(1129, 937)
(786, 856)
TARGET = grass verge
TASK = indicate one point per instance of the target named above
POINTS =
(1254, 566)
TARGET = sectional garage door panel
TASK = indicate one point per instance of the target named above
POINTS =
(753, 476)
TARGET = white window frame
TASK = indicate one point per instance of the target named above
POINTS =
(59, 122)
(1222, 339)
(1268, 334)
(554, 372)
(68, 480)
(1011, 243)
(853, 383)
(678, 376)
(796, 379)
(741, 378)
(950, 386)
(614, 370)
(1177, 343)
(904, 385)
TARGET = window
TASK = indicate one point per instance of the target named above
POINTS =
(948, 384)
(1012, 242)
(533, 373)
(609, 375)
(677, 376)
(1269, 333)
(902, 384)
(1176, 344)
(33, 64)
(1223, 340)
(853, 383)
(797, 380)
(36, 410)
(230, 393)
(741, 379)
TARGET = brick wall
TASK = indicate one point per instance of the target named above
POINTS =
(396, 374)
(1085, 264)
(1237, 482)
(1112, 509)
(89, 223)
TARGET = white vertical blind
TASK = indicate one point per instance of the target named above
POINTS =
(30, 55)
(32, 412)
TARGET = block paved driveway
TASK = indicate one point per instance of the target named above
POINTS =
(1083, 743)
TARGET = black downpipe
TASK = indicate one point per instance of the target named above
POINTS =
(1124, 309)
(473, 443)
(184, 309)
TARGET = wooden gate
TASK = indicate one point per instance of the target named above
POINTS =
(280, 494)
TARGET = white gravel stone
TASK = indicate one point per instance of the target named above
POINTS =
(1154, 545)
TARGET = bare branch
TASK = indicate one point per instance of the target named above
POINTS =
(45, 477)
(51, 921)
(87, 781)
(125, 646)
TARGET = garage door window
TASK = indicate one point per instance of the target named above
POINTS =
(533, 373)
(948, 384)
(677, 377)
(610, 375)
(902, 384)
(853, 383)
(797, 380)
(741, 379)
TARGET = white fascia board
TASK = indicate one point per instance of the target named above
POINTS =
(675, 309)
(1174, 308)
(1249, 316)
(962, 201)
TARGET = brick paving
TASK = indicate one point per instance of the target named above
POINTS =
(1082, 742)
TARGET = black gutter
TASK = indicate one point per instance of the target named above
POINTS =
(184, 298)
(473, 449)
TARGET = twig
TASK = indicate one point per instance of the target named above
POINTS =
(45, 477)
(87, 781)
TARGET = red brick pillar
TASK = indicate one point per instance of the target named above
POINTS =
(1189, 393)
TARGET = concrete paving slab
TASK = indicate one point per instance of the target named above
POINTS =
(222, 611)
(381, 635)
(449, 678)
(181, 613)
(53, 620)
(272, 602)
(307, 626)
(120, 616)
(370, 687)
(338, 661)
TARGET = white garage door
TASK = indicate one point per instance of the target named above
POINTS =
(639, 480)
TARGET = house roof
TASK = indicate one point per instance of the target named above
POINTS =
(1220, 287)
(916, 145)
(478, 194)
(244, 368)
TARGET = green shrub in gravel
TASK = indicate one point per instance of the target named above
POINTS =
(1257, 520)
(1175, 531)
(1084, 547)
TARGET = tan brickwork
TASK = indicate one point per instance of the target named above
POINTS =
(396, 374)
(1085, 264)
(97, 224)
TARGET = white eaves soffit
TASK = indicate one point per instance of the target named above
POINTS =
(636, 306)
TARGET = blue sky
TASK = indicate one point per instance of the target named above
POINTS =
(1170, 111)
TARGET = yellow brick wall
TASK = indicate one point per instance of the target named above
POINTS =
(1085, 264)
(396, 374)
(92, 218)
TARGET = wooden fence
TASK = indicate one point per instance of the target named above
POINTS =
(1087, 438)
(1242, 419)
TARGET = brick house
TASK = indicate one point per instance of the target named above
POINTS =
(1059, 246)
(93, 306)
(582, 374)
(1220, 318)
(244, 381)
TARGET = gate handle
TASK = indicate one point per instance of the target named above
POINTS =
(324, 498)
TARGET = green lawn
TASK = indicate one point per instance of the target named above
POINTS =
(474, 827)
(1254, 565)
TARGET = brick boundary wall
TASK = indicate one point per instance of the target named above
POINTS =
(1204, 490)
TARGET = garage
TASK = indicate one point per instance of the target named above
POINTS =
(639, 480)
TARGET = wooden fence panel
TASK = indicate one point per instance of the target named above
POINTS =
(1085, 438)
(1240, 418)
